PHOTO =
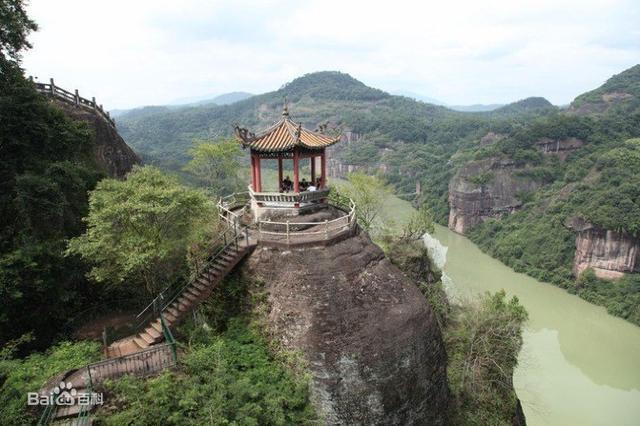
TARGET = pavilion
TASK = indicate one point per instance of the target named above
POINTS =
(287, 141)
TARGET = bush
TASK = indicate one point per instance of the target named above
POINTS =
(483, 341)
(229, 378)
(20, 376)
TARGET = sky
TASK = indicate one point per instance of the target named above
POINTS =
(153, 52)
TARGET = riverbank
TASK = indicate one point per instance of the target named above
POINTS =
(579, 365)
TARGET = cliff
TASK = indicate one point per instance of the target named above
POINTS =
(609, 253)
(483, 189)
(374, 348)
(110, 150)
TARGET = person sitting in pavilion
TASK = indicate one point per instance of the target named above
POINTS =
(318, 183)
(287, 185)
(304, 185)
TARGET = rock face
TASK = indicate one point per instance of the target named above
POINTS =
(609, 253)
(111, 152)
(484, 189)
(374, 349)
(490, 138)
(561, 148)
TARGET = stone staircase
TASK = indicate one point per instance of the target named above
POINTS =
(183, 303)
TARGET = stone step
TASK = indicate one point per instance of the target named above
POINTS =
(171, 310)
(157, 326)
(188, 295)
(141, 342)
(155, 334)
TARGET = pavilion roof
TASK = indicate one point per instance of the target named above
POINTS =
(284, 136)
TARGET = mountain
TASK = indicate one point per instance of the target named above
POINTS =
(223, 99)
(560, 195)
(337, 98)
(620, 92)
(526, 105)
(418, 97)
(229, 98)
(475, 107)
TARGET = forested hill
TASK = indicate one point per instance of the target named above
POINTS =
(620, 93)
(164, 135)
(414, 139)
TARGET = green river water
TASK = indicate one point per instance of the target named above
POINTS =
(578, 365)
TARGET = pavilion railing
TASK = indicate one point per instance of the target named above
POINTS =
(291, 232)
(289, 197)
(50, 89)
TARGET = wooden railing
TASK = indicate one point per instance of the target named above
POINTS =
(293, 232)
(50, 89)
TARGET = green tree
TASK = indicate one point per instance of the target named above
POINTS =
(15, 27)
(483, 341)
(216, 164)
(140, 228)
(420, 223)
(368, 193)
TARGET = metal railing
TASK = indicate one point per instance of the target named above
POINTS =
(142, 363)
(232, 207)
(50, 89)
(293, 232)
(229, 237)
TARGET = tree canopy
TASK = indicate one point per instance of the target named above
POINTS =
(140, 228)
(216, 164)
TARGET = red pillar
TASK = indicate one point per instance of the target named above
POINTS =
(313, 170)
(258, 175)
(279, 174)
(296, 174)
(253, 172)
(323, 168)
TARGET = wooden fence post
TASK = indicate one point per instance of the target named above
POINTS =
(77, 98)
(93, 100)
(53, 85)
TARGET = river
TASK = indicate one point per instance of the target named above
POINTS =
(578, 365)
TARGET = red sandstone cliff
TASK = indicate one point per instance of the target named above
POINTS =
(609, 253)
(372, 342)
(484, 189)
(110, 150)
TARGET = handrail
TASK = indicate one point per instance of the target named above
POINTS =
(173, 291)
(50, 89)
(328, 229)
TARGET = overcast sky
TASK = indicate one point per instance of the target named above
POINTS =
(142, 52)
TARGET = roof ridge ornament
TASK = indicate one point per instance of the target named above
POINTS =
(285, 108)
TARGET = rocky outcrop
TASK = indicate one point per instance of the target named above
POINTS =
(484, 189)
(611, 254)
(607, 101)
(560, 148)
(110, 150)
(373, 346)
(490, 138)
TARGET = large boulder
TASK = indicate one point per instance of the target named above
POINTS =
(373, 346)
